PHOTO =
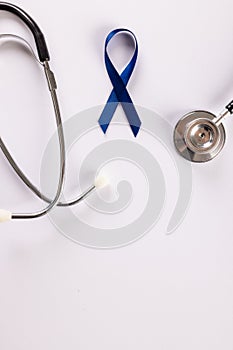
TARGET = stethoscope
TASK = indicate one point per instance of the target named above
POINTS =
(44, 58)
(199, 136)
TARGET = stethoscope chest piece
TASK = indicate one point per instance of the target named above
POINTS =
(198, 137)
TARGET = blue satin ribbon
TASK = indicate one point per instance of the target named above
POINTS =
(119, 93)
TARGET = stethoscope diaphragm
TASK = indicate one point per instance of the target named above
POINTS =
(199, 137)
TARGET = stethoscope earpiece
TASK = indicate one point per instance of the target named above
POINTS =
(199, 136)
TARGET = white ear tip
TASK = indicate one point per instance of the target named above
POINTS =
(101, 181)
(5, 215)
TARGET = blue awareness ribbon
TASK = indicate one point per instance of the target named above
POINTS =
(119, 93)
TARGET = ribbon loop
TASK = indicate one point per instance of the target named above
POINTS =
(119, 93)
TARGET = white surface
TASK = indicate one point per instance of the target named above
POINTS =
(162, 292)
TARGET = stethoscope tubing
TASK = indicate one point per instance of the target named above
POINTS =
(44, 59)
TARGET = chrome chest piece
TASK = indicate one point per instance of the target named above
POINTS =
(199, 136)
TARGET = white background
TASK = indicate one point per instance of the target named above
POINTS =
(162, 292)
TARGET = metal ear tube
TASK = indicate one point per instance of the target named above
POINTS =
(43, 59)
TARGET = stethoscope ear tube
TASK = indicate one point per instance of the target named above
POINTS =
(41, 47)
(34, 28)
(43, 54)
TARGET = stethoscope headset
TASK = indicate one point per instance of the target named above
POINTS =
(199, 136)
(44, 59)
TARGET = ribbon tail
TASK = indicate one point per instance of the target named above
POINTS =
(132, 116)
(108, 112)
(135, 129)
